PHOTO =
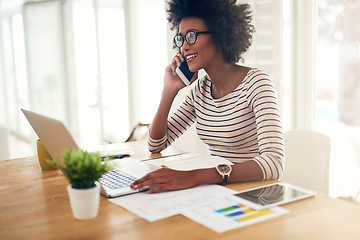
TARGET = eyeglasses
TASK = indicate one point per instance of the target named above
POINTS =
(190, 37)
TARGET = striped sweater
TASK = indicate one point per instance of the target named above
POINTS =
(244, 125)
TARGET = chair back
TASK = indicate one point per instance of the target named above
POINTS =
(140, 132)
(307, 156)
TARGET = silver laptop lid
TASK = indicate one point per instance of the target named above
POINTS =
(52, 133)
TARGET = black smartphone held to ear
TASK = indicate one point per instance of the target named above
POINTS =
(184, 73)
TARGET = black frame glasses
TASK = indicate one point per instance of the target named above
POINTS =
(190, 37)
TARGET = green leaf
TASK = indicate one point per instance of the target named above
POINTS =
(82, 168)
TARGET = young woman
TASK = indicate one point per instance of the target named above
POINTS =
(235, 107)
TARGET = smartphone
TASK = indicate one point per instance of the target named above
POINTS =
(184, 73)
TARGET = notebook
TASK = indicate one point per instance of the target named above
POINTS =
(56, 138)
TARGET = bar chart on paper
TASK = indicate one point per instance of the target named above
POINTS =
(228, 215)
(241, 213)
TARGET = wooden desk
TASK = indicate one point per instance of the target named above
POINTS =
(35, 205)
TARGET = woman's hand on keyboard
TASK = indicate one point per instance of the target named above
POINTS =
(166, 179)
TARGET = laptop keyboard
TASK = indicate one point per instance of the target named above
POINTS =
(116, 179)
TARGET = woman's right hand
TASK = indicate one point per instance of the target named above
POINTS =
(172, 85)
(172, 81)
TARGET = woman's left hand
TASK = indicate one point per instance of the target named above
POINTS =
(165, 179)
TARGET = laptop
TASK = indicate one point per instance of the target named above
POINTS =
(56, 138)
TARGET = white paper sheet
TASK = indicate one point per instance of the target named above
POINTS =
(227, 215)
(153, 207)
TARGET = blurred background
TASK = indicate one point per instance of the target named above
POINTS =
(98, 65)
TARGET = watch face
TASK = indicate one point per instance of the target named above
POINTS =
(224, 168)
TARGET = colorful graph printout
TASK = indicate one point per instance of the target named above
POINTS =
(228, 215)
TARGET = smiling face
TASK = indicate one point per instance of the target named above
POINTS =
(203, 53)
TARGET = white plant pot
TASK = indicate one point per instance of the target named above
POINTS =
(84, 202)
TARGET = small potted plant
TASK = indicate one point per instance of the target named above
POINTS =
(83, 169)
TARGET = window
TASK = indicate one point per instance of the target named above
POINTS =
(96, 65)
(337, 86)
(270, 50)
(45, 54)
(100, 71)
(13, 84)
(311, 49)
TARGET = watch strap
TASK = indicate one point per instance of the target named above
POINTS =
(225, 179)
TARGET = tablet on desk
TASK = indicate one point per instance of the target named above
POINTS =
(271, 195)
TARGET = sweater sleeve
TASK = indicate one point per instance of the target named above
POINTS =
(177, 124)
(262, 99)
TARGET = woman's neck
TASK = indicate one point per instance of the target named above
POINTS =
(225, 77)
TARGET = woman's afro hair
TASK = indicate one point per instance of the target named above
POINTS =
(229, 23)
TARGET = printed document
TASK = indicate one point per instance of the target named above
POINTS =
(226, 215)
(206, 204)
(153, 207)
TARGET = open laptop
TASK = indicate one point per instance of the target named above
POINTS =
(56, 138)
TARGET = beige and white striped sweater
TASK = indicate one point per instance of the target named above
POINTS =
(244, 125)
